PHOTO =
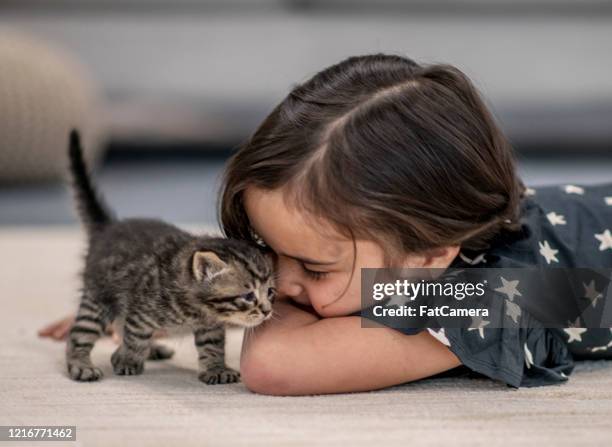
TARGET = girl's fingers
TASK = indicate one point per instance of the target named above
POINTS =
(57, 330)
(48, 330)
(59, 334)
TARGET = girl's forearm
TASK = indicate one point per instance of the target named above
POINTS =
(298, 354)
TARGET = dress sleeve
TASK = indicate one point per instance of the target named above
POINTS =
(523, 356)
(527, 357)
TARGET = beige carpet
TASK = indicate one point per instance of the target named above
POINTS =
(168, 406)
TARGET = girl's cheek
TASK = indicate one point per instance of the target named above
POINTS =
(318, 295)
(331, 302)
(302, 299)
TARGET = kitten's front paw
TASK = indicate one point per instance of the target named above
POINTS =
(84, 373)
(217, 376)
(126, 366)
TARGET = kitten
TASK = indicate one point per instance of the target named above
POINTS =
(146, 275)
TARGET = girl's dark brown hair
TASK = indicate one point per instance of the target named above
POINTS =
(384, 149)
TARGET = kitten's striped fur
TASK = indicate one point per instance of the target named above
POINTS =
(145, 275)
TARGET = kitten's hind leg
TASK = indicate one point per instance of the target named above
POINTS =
(87, 328)
(128, 359)
(210, 343)
(160, 352)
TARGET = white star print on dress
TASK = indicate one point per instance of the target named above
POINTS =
(606, 240)
(573, 189)
(439, 335)
(574, 323)
(397, 300)
(478, 324)
(548, 252)
(513, 310)
(556, 219)
(591, 293)
(509, 288)
(575, 333)
(528, 356)
(530, 192)
(601, 348)
(453, 274)
(608, 200)
(477, 260)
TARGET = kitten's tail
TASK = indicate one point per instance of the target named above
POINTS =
(92, 210)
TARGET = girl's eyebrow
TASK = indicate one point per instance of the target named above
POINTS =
(309, 261)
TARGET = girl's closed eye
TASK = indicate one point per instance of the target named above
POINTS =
(313, 274)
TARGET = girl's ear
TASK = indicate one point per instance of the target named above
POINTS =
(440, 257)
(206, 265)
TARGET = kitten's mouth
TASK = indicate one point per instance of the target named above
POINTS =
(253, 322)
(249, 321)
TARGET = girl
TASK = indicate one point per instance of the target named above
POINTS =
(379, 161)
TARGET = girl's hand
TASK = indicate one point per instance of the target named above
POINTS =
(59, 329)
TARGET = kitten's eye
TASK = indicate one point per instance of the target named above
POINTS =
(249, 297)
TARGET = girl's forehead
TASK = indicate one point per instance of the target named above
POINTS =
(284, 228)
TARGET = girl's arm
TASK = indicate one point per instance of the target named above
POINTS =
(298, 353)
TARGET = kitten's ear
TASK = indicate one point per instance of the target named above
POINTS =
(207, 265)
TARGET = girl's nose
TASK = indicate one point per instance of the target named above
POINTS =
(288, 283)
(289, 288)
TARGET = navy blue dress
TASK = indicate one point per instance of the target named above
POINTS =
(562, 226)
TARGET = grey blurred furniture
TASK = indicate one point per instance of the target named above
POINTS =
(44, 93)
(209, 71)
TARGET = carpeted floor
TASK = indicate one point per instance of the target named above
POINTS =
(167, 405)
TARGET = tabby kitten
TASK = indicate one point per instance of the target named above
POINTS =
(146, 275)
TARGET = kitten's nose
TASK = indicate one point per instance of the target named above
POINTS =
(266, 307)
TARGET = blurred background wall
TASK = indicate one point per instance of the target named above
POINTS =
(182, 82)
